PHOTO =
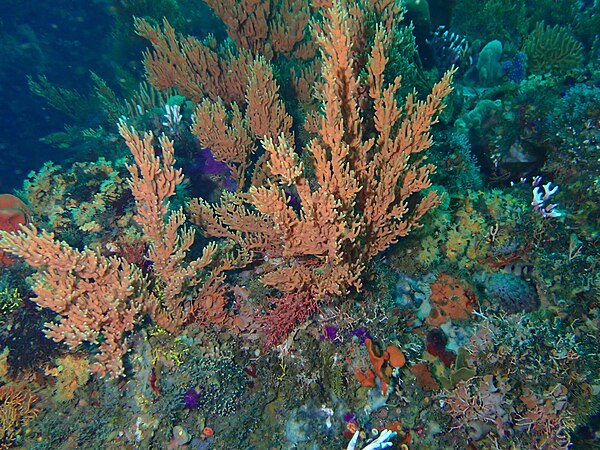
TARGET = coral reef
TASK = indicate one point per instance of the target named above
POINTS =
(324, 224)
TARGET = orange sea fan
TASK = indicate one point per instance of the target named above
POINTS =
(16, 409)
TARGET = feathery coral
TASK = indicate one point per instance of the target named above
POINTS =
(97, 297)
(364, 194)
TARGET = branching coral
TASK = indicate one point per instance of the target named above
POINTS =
(552, 49)
(16, 409)
(359, 194)
(537, 403)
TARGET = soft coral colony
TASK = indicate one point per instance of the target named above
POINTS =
(357, 179)
(357, 176)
